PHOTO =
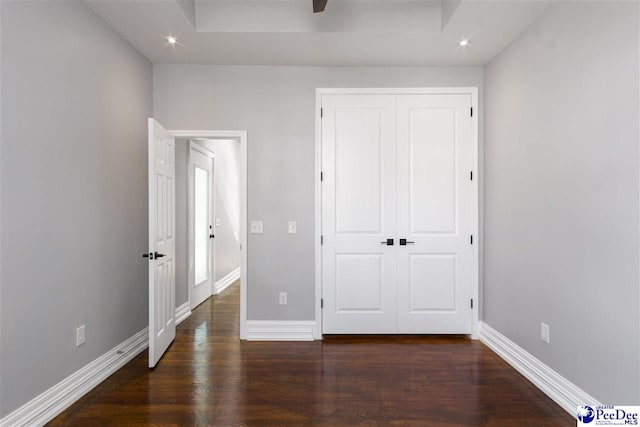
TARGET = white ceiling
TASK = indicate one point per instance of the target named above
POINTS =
(329, 39)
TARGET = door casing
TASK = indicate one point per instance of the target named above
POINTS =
(473, 92)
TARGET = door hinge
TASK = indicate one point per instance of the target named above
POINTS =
(471, 175)
(321, 112)
(321, 302)
(321, 176)
(471, 239)
(472, 303)
(471, 111)
(322, 240)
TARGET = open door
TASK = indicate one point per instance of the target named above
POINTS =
(200, 223)
(162, 243)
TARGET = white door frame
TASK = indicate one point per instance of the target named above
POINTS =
(190, 219)
(242, 136)
(473, 92)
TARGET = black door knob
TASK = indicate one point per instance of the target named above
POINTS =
(211, 236)
(158, 255)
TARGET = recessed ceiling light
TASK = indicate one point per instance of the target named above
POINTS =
(464, 42)
(172, 40)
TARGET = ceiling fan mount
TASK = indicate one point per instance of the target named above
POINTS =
(319, 5)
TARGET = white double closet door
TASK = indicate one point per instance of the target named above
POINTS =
(398, 167)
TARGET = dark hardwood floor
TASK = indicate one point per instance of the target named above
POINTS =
(210, 377)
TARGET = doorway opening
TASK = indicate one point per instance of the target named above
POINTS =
(211, 217)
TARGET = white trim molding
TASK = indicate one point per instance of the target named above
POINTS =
(273, 330)
(559, 389)
(183, 312)
(226, 281)
(52, 402)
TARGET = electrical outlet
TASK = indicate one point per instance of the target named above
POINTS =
(544, 332)
(283, 298)
(257, 227)
(80, 336)
(292, 227)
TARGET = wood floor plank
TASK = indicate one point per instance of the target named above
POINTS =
(211, 378)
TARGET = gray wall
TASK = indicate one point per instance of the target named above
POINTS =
(75, 98)
(561, 195)
(1, 234)
(276, 105)
(182, 224)
(227, 196)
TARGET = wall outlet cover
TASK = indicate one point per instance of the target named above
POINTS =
(292, 227)
(257, 227)
(283, 298)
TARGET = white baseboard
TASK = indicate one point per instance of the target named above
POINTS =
(559, 389)
(226, 281)
(52, 402)
(268, 330)
(182, 313)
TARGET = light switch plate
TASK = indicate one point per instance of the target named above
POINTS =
(291, 229)
(218, 222)
(256, 227)
(80, 336)
(544, 332)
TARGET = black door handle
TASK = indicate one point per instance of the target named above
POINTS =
(388, 242)
(158, 255)
(405, 242)
(147, 255)
(211, 236)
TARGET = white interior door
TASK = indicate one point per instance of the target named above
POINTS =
(397, 167)
(436, 213)
(359, 214)
(162, 244)
(201, 225)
